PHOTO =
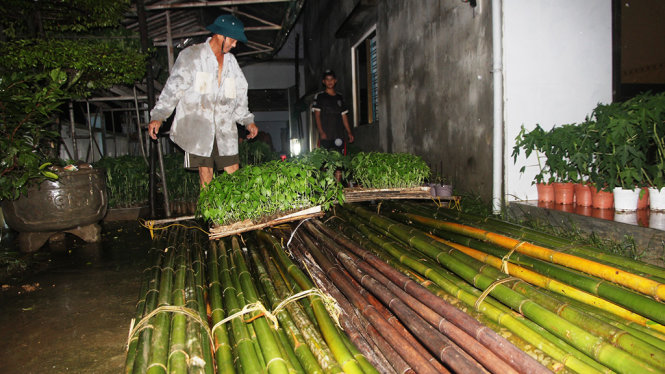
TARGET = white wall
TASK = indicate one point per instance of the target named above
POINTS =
(557, 66)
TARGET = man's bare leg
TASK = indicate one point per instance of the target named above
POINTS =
(205, 175)
(232, 168)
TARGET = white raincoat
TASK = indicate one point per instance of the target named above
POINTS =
(203, 107)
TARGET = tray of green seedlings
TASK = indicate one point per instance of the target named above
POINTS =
(388, 176)
(126, 180)
(261, 194)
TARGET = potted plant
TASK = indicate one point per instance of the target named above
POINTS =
(536, 141)
(622, 150)
(38, 74)
(655, 172)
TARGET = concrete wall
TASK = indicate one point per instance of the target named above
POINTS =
(557, 68)
(435, 77)
(435, 97)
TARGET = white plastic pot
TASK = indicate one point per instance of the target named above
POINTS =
(657, 220)
(657, 199)
(625, 200)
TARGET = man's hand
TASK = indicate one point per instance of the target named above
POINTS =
(351, 138)
(322, 135)
(253, 130)
(153, 128)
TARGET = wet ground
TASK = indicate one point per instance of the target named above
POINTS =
(70, 310)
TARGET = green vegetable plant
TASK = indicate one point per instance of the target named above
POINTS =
(328, 161)
(389, 170)
(535, 141)
(256, 192)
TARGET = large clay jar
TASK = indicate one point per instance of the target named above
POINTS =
(74, 203)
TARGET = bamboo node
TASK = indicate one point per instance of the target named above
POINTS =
(489, 289)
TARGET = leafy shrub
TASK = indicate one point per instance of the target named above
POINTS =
(389, 170)
(258, 191)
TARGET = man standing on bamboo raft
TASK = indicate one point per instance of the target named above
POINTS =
(208, 90)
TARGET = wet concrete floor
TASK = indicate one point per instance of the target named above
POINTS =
(73, 315)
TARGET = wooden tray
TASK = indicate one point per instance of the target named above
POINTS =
(356, 194)
(217, 231)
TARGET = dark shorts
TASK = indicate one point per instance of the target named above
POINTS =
(330, 144)
(213, 161)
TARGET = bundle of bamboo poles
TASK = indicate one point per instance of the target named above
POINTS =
(587, 312)
(410, 328)
(233, 308)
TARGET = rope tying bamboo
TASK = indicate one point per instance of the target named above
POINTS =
(330, 304)
(504, 259)
(489, 289)
(150, 225)
(293, 233)
(169, 309)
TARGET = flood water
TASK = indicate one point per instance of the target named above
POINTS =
(70, 311)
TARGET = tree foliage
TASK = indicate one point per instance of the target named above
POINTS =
(54, 50)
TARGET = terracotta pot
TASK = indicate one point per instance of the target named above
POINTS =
(583, 195)
(602, 199)
(545, 192)
(643, 201)
(564, 193)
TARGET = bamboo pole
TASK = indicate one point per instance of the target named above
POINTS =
(487, 358)
(162, 320)
(177, 360)
(619, 338)
(201, 297)
(327, 326)
(525, 233)
(244, 347)
(311, 334)
(275, 363)
(297, 341)
(144, 306)
(494, 342)
(374, 347)
(591, 345)
(641, 305)
(609, 273)
(531, 333)
(197, 363)
(408, 352)
(222, 349)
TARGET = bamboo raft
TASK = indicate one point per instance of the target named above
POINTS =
(217, 231)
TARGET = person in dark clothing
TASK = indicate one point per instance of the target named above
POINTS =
(331, 115)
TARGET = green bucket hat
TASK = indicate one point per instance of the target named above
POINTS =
(229, 25)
